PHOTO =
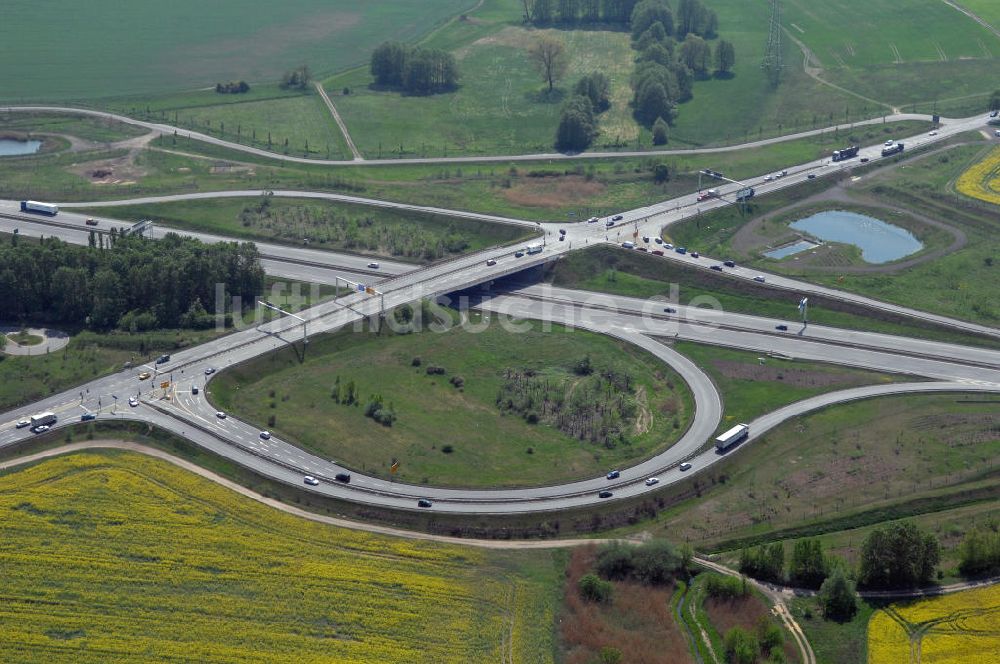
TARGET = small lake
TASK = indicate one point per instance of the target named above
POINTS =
(9, 147)
(789, 249)
(879, 242)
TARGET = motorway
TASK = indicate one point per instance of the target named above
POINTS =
(938, 366)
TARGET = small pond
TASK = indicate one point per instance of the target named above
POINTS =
(10, 147)
(789, 249)
(879, 242)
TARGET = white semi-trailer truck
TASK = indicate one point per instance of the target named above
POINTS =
(731, 437)
(41, 208)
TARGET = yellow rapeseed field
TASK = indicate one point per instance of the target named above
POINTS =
(982, 180)
(116, 556)
(951, 629)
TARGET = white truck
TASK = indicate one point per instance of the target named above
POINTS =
(534, 248)
(43, 418)
(731, 437)
(41, 208)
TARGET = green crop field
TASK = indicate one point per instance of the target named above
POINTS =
(896, 53)
(450, 429)
(988, 10)
(113, 556)
(51, 52)
(401, 234)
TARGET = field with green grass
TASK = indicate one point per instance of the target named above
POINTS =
(401, 234)
(636, 274)
(925, 53)
(750, 389)
(847, 467)
(504, 412)
(133, 557)
(987, 10)
(98, 130)
(958, 283)
(149, 47)
(550, 190)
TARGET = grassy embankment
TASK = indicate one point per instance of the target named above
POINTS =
(556, 190)
(457, 434)
(191, 569)
(636, 274)
(400, 234)
(840, 471)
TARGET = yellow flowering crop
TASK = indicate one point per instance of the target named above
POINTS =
(982, 180)
(113, 557)
(951, 629)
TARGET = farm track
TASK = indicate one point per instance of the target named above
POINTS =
(340, 122)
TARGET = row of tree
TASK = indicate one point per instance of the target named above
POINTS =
(232, 88)
(692, 15)
(414, 70)
(128, 282)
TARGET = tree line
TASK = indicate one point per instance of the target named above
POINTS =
(692, 16)
(126, 282)
(414, 69)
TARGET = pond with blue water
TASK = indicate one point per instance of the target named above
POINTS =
(10, 147)
(878, 241)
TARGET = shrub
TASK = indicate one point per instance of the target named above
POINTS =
(435, 371)
(595, 589)
(726, 587)
(416, 362)
(457, 381)
(769, 636)
(741, 646)
(447, 449)
(836, 595)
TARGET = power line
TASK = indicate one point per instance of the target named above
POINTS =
(771, 63)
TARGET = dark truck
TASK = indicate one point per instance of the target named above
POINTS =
(892, 149)
(846, 153)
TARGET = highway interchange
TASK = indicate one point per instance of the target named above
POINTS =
(933, 366)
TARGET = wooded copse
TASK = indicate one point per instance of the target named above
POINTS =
(415, 70)
(126, 282)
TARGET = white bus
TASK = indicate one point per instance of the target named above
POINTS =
(534, 248)
(42, 418)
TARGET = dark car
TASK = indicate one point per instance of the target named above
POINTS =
(613, 475)
(562, 237)
(343, 477)
(617, 217)
(864, 160)
(562, 231)
(423, 502)
(811, 176)
(88, 416)
(518, 254)
(645, 238)
(669, 310)
(605, 494)
(729, 263)
(194, 389)
(641, 249)
(695, 254)
(783, 328)
(658, 240)
(163, 359)
(657, 252)
(717, 268)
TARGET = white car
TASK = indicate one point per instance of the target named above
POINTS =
(209, 371)
(310, 480)
(759, 278)
(888, 143)
(220, 414)
(768, 178)
(667, 245)
(265, 435)
(373, 266)
(933, 133)
(652, 481)
(133, 402)
(23, 423)
(685, 466)
(41, 428)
